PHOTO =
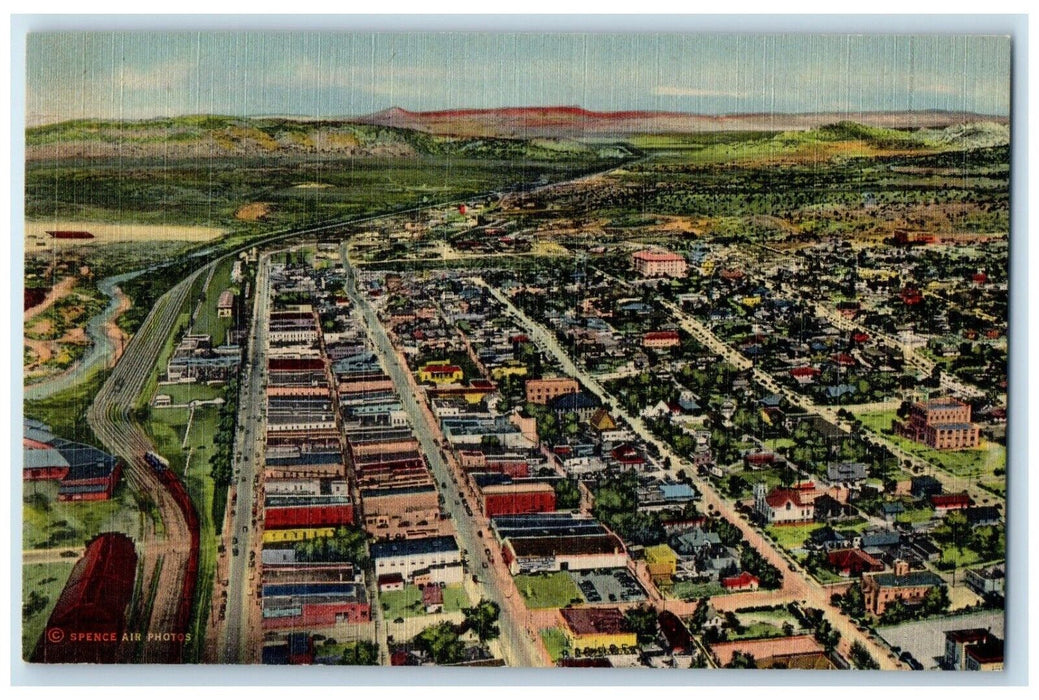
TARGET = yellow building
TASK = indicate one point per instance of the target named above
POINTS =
(661, 562)
(509, 369)
(591, 628)
(751, 301)
(440, 372)
(297, 534)
(707, 268)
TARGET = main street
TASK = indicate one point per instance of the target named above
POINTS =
(245, 537)
(518, 649)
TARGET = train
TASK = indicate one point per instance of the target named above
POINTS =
(169, 479)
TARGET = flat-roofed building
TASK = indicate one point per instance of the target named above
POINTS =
(541, 391)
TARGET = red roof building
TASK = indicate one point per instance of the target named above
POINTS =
(945, 502)
(87, 623)
(853, 562)
(660, 339)
(743, 582)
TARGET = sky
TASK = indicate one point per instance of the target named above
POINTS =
(140, 75)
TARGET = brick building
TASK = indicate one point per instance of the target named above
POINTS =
(943, 424)
(655, 263)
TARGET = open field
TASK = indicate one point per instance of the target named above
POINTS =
(688, 590)
(48, 523)
(47, 581)
(553, 590)
(36, 233)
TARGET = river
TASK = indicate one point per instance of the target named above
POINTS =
(101, 348)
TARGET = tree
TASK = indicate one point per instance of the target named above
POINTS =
(936, 601)
(482, 619)
(741, 660)
(861, 657)
(441, 643)
(361, 653)
(643, 621)
(568, 495)
(958, 527)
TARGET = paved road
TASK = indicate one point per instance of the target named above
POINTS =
(248, 456)
(517, 647)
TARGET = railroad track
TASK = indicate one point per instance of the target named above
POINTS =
(112, 420)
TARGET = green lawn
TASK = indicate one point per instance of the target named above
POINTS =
(185, 393)
(167, 428)
(757, 630)
(555, 642)
(952, 555)
(916, 515)
(47, 580)
(792, 536)
(981, 462)
(554, 590)
(48, 523)
(688, 590)
(408, 603)
(207, 321)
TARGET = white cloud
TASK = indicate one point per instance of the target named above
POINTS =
(177, 74)
(679, 91)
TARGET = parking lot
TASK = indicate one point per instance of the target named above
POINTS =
(608, 586)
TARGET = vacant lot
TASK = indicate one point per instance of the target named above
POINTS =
(553, 590)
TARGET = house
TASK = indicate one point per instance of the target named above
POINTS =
(889, 510)
(783, 505)
(852, 562)
(982, 516)
(947, 502)
(433, 599)
(829, 509)
(988, 582)
(440, 373)
(924, 486)
(742, 582)
(880, 541)
(847, 472)
(805, 375)
(909, 587)
(826, 539)
(601, 421)
(595, 628)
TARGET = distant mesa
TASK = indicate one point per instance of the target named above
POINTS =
(572, 121)
(71, 235)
